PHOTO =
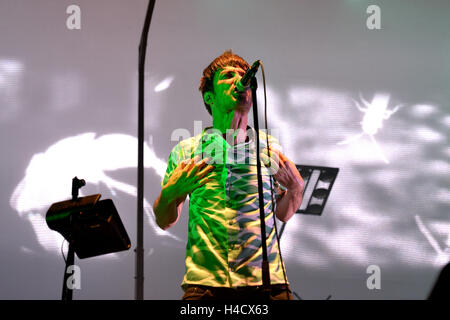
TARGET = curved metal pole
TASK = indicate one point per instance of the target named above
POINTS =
(265, 261)
(139, 278)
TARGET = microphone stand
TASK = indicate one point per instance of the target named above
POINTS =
(67, 292)
(139, 278)
(265, 262)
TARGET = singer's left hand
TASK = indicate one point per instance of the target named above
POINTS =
(283, 170)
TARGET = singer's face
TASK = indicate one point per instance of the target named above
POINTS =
(226, 99)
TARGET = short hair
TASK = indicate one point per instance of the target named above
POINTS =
(228, 58)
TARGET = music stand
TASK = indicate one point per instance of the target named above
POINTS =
(318, 183)
(90, 226)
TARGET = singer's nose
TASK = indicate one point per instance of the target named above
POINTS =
(235, 82)
(237, 78)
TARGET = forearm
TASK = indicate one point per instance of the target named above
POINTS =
(166, 210)
(289, 204)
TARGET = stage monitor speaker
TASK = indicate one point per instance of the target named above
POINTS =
(441, 288)
(91, 226)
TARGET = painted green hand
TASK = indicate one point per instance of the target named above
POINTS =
(186, 177)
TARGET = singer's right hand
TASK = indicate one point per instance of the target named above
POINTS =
(186, 177)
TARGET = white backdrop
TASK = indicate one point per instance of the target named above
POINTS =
(373, 103)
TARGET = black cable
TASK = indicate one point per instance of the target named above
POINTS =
(62, 251)
(271, 186)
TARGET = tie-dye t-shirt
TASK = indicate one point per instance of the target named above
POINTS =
(224, 234)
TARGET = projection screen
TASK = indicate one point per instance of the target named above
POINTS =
(357, 85)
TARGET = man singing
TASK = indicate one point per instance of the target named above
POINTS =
(217, 169)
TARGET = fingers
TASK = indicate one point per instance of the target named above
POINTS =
(192, 162)
(272, 153)
(196, 165)
(203, 181)
(205, 171)
(283, 157)
(271, 159)
(270, 163)
(283, 160)
(191, 168)
(202, 163)
(183, 163)
(188, 164)
(201, 171)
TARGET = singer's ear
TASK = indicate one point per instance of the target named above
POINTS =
(208, 97)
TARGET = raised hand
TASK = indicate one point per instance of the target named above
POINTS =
(186, 177)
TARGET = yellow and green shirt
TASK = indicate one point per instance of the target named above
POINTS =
(224, 236)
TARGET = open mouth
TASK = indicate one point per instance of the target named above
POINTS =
(238, 94)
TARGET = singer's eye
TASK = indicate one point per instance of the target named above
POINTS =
(229, 75)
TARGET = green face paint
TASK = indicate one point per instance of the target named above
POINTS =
(228, 105)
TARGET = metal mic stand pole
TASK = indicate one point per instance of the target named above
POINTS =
(67, 292)
(139, 278)
(265, 262)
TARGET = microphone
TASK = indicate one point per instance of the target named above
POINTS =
(249, 74)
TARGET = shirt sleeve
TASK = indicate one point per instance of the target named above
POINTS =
(172, 163)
